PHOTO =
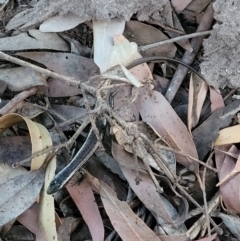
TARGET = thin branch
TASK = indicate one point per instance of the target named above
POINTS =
(173, 40)
(17, 99)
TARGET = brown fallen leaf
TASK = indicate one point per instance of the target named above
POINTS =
(84, 198)
(68, 226)
(216, 99)
(133, 32)
(20, 191)
(159, 114)
(127, 224)
(194, 9)
(229, 178)
(78, 67)
(146, 191)
(206, 134)
(197, 95)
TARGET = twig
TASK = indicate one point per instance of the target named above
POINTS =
(18, 98)
(188, 57)
(173, 40)
(81, 116)
(68, 80)
(205, 197)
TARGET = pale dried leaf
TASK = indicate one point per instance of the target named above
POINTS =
(120, 73)
(46, 218)
(60, 23)
(123, 53)
(129, 226)
(228, 135)
(84, 198)
(159, 114)
(232, 223)
(103, 41)
(20, 192)
(19, 79)
(197, 95)
(35, 40)
(141, 72)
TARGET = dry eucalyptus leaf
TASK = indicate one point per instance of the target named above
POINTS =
(34, 40)
(84, 198)
(159, 114)
(134, 33)
(197, 94)
(71, 65)
(127, 224)
(206, 134)
(216, 99)
(146, 190)
(103, 33)
(228, 135)
(20, 191)
(232, 223)
(123, 53)
(46, 216)
(19, 79)
(229, 177)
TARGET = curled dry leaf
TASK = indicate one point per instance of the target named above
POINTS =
(197, 95)
(141, 72)
(20, 188)
(127, 224)
(41, 140)
(34, 39)
(84, 198)
(19, 79)
(103, 33)
(46, 218)
(159, 114)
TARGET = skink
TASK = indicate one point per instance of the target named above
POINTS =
(92, 142)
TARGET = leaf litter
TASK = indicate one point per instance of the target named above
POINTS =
(143, 181)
